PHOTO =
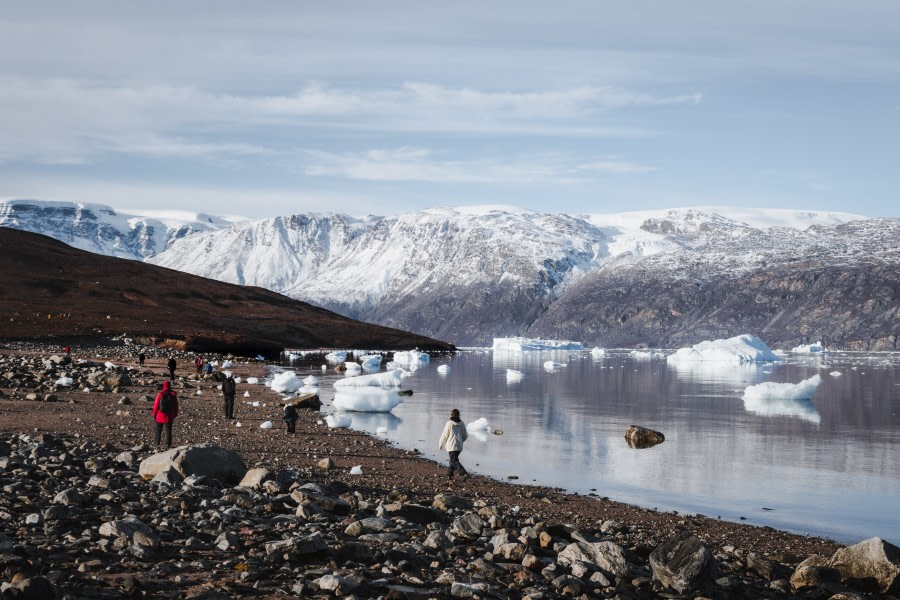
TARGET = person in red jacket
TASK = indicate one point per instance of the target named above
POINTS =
(165, 409)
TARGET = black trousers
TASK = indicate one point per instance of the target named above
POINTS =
(291, 425)
(171, 373)
(455, 465)
(159, 428)
(228, 404)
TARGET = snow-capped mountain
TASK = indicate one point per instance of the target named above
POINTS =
(100, 229)
(469, 274)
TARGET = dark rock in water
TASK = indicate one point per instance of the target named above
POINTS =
(641, 437)
(405, 393)
(684, 564)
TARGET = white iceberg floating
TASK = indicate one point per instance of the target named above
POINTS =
(641, 354)
(514, 376)
(387, 379)
(552, 367)
(411, 357)
(292, 357)
(311, 381)
(338, 421)
(65, 381)
(815, 348)
(479, 429)
(336, 357)
(783, 391)
(521, 344)
(286, 382)
(598, 352)
(252, 380)
(366, 399)
(352, 367)
(835, 373)
(357, 470)
(265, 425)
(740, 349)
(370, 361)
(443, 369)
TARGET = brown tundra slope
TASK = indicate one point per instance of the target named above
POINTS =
(51, 291)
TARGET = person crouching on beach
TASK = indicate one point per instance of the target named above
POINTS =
(290, 417)
(452, 438)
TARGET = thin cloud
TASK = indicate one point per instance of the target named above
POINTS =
(422, 165)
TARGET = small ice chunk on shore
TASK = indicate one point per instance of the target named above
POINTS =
(251, 380)
(286, 382)
(521, 344)
(338, 421)
(266, 425)
(739, 349)
(357, 470)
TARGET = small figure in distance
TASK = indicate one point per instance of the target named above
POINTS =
(141, 358)
(68, 350)
(171, 366)
(208, 369)
(290, 417)
(199, 364)
(452, 438)
(228, 389)
(165, 409)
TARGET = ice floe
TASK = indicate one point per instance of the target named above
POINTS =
(366, 399)
(598, 352)
(387, 379)
(514, 376)
(479, 429)
(443, 369)
(410, 357)
(739, 349)
(835, 373)
(770, 390)
(311, 381)
(336, 357)
(809, 348)
(521, 344)
(552, 367)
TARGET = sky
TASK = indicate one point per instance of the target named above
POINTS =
(360, 107)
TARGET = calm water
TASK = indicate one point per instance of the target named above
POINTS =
(827, 467)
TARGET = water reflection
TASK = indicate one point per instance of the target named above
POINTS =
(782, 407)
(374, 421)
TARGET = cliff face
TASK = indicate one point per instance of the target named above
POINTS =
(851, 307)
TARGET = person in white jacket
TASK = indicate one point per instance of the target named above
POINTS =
(452, 438)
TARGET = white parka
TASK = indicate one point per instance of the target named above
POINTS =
(453, 436)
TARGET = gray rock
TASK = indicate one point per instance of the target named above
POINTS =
(254, 478)
(132, 528)
(467, 526)
(414, 513)
(683, 563)
(870, 563)
(340, 586)
(70, 496)
(641, 437)
(604, 555)
(204, 460)
(169, 476)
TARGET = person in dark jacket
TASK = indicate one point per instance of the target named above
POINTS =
(290, 417)
(228, 389)
(141, 358)
(165, 418)
(171, 366)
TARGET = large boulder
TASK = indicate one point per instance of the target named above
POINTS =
(684, 564)
(607, 556)
(202, 460)
(871, 564)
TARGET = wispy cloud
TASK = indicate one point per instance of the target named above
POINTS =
(422, 165)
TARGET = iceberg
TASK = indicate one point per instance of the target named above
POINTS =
(641, 354)
(443, 369)
(598, 352)
(521, 344)
(809, 348)
(737, 350)
(336, 357)
(311, 381)
(286, 382)
(410, 357)
(552, 367)
(386, 379)
(370, 361)
(366, 399)
(352, 367)
(479, 429)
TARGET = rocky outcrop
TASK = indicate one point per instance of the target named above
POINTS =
(683, 563)
(872, 563)
(201, 460)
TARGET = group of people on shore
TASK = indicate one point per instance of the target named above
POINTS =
(165, 409)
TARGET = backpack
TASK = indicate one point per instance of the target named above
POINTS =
(167, 403)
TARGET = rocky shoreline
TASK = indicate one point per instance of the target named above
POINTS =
(78, 519)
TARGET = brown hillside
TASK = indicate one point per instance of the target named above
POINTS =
(49, 290)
